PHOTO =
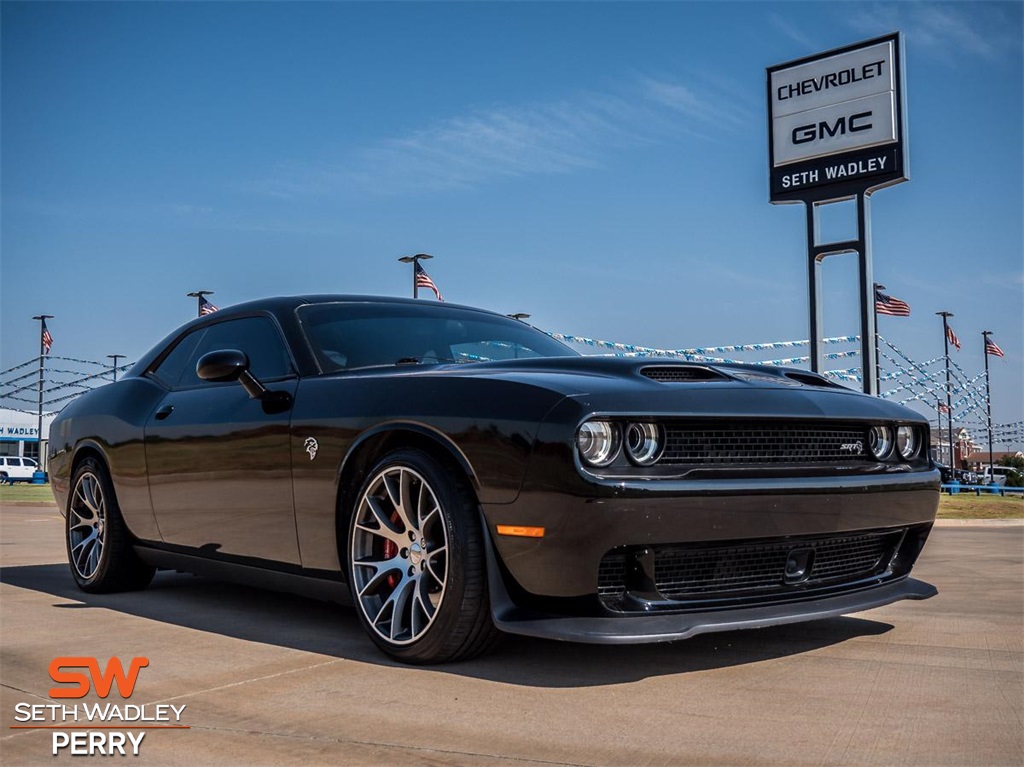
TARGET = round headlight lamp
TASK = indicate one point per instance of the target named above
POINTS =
(906, 441)
(880, 441)
(644, 443)
(598, 442)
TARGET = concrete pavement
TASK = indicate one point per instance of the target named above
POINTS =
(271, 679)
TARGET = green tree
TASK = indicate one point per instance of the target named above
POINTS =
(1015, 462)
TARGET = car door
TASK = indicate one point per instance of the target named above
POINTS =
(218, 461)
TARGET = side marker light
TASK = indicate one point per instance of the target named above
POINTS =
(521, 532)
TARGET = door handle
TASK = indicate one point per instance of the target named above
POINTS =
(163, 412)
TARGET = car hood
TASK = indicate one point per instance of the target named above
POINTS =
(655, 386)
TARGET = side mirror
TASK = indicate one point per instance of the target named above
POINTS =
(222, 365)
(230, 365)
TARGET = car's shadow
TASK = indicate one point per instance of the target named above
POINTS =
(321, 627)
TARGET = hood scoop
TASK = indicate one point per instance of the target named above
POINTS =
(813, 379)
(681, 374)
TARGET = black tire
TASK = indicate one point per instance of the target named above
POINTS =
(99, 545)
(430, 567)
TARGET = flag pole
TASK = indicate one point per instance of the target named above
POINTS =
(198, 296)
(949, 394)
(412, 260)
(878, 355)
(42, 364)
(988, 405)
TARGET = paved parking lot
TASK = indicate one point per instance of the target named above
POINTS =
(273, 679)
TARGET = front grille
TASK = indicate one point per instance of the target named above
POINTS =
(763, 444)
(611, 577)
(680, 374)
(685, 573)
(707, 572)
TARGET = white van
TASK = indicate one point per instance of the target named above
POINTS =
(1000, 473)
(13, 469)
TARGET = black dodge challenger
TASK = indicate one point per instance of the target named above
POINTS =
(457, 474)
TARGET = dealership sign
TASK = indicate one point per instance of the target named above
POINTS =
(835, 122)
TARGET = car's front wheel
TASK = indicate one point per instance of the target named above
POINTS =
(416, 561)
(98, 542)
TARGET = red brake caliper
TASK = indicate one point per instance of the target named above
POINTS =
(390, 552)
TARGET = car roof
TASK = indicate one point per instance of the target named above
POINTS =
(283, 306)
(285, 303)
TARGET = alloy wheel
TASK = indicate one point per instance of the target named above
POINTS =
(87, 525)
(399, 555)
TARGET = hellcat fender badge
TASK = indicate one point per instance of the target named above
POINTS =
(311, 447)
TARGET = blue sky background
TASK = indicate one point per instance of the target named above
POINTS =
(602, 166)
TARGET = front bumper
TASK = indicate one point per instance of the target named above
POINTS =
(582, 527)
(639, 629)
(550, 586)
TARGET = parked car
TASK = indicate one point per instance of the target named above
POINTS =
(967, 477)
(949, 475)
(946, 474)
(14, 469)
(456, 474)
(997, 475)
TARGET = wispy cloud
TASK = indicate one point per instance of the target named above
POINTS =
(794, 33)
(948, 31)
(483, 146)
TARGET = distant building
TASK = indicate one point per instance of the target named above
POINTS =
(19, 433)
(980, 458)
(964, 447)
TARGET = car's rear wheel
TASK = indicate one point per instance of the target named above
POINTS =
(416, 561)
(98, 542)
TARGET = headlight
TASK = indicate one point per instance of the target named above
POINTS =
(598, 442)
(643, 443)
(880, 441)
(906, 441)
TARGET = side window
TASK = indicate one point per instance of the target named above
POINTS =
(170, 369)
(256, 336)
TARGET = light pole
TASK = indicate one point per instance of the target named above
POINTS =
(42, 362)
(949, 394)
(113, 369)
(413, 260)
(519, 316)
(988, 405)
(198, 295)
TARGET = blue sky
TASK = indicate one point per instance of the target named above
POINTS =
(602, 166)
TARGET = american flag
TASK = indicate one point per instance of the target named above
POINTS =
(205, 307)
(943, 408)
(47, 338)
(991, 347)
(423, 281)
(952, 337)
(892, 306)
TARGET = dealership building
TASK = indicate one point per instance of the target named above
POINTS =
(19, 433)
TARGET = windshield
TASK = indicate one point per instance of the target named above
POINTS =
(344, 336)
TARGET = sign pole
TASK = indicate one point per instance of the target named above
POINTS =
(868, 325)
(816, 315)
